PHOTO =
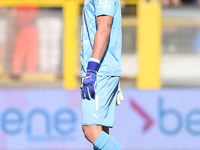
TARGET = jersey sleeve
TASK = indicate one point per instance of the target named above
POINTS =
(104, 7)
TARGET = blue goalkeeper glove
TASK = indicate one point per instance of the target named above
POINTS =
(89, 81)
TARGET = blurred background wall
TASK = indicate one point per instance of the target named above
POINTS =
(40, 106)
(32, 45)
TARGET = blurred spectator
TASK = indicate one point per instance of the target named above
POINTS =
(171, 3)
(3, 39)
(26, 50)
(197, 2)
(191, 2)
(176, 3)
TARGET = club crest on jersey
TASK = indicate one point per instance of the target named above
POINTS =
(103, 2)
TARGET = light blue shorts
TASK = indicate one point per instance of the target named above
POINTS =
(101, 110)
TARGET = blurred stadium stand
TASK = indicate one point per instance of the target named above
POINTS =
(180, 47)
(31, 47)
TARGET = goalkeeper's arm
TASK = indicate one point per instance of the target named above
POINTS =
(101, 39)
(102, 36)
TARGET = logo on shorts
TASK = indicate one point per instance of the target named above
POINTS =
(96, 116)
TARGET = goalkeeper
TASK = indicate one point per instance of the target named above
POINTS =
(101, 69)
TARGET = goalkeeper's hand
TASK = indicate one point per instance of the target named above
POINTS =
(119, 96)
(89, 81)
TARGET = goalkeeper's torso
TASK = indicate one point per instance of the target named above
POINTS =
(111, 61)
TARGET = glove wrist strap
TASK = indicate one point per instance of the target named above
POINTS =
(92, 65)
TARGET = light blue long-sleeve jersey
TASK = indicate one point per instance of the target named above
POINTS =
(111, 61)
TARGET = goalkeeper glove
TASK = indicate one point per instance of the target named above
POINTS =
(119, 96)
(89, 81)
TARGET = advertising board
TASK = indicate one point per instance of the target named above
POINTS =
(146, 119)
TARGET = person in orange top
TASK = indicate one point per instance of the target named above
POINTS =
(26, 41)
